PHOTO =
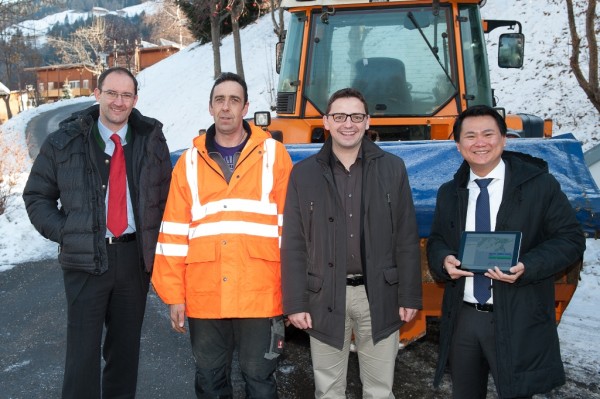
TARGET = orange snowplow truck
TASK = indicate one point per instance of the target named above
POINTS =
(419, 64)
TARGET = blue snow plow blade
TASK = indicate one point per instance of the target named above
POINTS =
(432, 163)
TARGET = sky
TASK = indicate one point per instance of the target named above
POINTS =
(176, 92)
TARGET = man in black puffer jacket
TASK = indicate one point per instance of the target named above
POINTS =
(106, 229)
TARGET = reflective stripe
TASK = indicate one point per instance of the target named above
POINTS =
(279, 219)
(180, 229)
(171, 249)
(191, 172)
(237, 205)
(248, 228)
(267, 172)
(262, 206)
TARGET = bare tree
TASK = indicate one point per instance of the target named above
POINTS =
(278, 23)
(236, 8)
(13, 47)
(86, 45)
(169, 23)
(590, 85)
(12, 51)
(215, 34)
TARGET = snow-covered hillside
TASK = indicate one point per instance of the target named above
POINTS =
(38, 28)
(545, 86)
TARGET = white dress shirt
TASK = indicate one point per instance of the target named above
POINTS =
(106, 133)
(495, 189)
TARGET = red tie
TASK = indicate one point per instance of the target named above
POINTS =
(117, 192)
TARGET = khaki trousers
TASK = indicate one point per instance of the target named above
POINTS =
(376, 362)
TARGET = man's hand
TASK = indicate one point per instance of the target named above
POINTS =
(178, 317)
(407, 314)
(497, 274)
(451, 265)
(301, 320)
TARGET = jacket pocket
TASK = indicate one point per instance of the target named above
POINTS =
(260, 270)
(201, 252)
(264, 250)
(391, 275)
(202, 273)
(314, 283)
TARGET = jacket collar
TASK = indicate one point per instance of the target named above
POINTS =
(369, 151)
(256, 136)
(80, 124)
(520, 168)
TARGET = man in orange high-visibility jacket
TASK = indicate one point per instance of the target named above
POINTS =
(217, 257)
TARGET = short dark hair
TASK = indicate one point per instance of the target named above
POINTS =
(478, 110)
(347, 93)
(120, 70)
(233, 77)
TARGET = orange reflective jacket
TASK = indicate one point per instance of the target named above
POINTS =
(218, 247)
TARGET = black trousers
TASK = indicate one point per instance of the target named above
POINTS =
(115, 300)
(213, 344)
(473, 354)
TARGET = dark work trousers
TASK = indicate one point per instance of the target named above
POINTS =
(473, 354)
(213, 343)
(115, 300)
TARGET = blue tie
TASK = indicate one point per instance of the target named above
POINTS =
(481, 284)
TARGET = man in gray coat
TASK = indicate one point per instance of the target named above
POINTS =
(98, 188)
(350, 252)
(507, 329)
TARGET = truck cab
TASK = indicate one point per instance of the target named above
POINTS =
(418, 64)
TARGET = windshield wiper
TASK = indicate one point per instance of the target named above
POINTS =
(434, 50)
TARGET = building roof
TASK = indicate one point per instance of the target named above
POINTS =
(60, 66)
(4, 90)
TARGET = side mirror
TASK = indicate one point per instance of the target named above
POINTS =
(278, 56)
(511, 49)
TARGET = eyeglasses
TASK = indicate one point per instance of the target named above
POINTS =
(113, 95)
(341, 118)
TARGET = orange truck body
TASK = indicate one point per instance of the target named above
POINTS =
(419, 64)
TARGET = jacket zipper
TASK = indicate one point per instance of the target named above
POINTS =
(389, 201)
(310, 220)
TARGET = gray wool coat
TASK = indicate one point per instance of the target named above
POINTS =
(313, 253)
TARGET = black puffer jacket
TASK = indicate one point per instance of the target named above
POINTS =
(313, 251)
(528, 353)
(65, 170)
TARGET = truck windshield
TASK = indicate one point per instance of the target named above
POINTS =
(398, 58)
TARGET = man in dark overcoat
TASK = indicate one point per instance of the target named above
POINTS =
(503, 323)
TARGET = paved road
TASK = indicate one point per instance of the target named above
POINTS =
(39, 127)
(32, 332)
(32, 337)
